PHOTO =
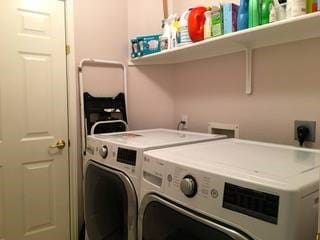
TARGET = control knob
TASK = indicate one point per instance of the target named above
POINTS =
(188, 186)
(103, 151)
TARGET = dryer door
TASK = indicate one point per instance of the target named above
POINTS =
(160, 219)
(110, 204)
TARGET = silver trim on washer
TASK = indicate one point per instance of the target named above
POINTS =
(132, 199)
(154, 198)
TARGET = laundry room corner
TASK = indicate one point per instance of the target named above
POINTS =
(159, 120)
(151, 87)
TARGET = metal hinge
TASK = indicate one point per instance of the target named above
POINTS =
(67, 49)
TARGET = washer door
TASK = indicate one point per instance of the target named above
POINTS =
(160, 219)
(110, 204)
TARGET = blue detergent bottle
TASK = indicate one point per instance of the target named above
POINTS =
(243, 16)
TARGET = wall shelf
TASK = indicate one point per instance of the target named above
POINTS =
(289, 30)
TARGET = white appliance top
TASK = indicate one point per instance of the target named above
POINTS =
(153, 138)
(264, 163)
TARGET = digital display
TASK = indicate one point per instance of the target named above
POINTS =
(127, 156)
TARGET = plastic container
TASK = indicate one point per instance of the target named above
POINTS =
(208, 24)
(265, 11)
(184, 31)
(295, 8)
(134, 48)
(281, 11)
(277, 11)
(254, 13)
(217, 22)
(310, 6)
(242, 21)
(196, 22)
(174, 32)
(164, 38)
(273, 13)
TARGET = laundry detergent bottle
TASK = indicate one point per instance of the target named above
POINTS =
(254, 13)
(196, 23)
(243, 17)
(184, 31)
(265, 11)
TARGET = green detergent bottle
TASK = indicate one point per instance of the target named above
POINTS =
(265, 11)
(254, 13)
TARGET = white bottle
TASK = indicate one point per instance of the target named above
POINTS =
(295, 8)
(184, 31)
(172, 38)
(208, 25)
(280, 10)
(174, 31)
(165, 38)
(273, 14)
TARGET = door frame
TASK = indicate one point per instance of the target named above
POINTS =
(74, 133)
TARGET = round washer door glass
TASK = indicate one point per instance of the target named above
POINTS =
(161, 222)
(106, 205)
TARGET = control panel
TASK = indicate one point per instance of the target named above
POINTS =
(260, 205)
(127, 156)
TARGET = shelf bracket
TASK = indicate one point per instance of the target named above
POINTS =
(248, 71)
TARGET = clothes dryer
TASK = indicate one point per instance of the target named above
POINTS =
(112, 178)
(229, 190)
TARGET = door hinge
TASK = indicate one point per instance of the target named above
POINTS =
(67, 49)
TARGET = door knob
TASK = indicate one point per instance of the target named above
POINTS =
(60, 145)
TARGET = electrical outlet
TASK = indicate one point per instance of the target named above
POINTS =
(311, 125)
(184, 117)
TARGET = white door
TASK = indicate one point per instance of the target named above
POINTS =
(34, 183)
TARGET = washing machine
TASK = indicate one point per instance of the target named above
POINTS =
(229, 190)
(112, 178)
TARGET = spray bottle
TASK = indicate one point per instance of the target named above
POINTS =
(168, 40)
(164, 39)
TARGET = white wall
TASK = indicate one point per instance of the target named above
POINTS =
(285, 88)
(151, 87)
